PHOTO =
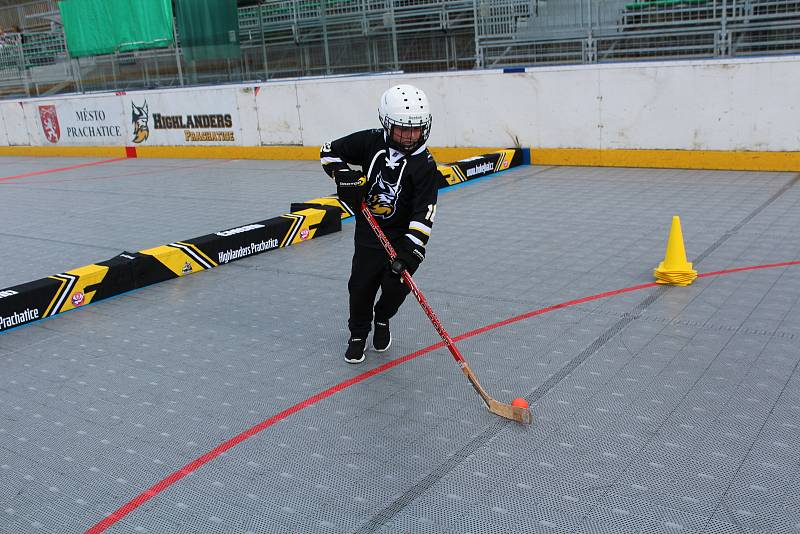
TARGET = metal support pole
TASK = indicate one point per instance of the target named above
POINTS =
(724, 30)
(263, 39)
(177, 50)
(323, 9)
(478, 62)
(395, 55)
(79, 74)
(23, 72)
(590, 56)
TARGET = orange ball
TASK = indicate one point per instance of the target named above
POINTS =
(519, 402)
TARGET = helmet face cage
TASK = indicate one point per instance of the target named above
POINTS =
(407, 136)
(405, 116)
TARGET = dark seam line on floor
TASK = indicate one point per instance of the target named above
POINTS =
(743, 458)
(730, 233)
(60, 242)
(385, 515)
(493, 429)
(707, 326)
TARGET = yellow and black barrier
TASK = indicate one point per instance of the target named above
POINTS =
(479, 166)
(31, 301)
(72, 289)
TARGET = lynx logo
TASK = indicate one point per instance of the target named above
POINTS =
(50, 126)
(383, 197)
(139, 117)
(187, 268)
(241, 229)
(77, 298)
(480, 169)
(18, 318)
(7, 293)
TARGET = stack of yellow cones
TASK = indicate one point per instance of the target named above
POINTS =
(675, 269)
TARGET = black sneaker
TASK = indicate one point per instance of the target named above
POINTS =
(381, 338)
(355, 350)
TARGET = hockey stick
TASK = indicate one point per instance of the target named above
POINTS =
(515, 413)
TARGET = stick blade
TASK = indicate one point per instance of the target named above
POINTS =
(514, 413)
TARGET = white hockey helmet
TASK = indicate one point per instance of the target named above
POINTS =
(405, 106)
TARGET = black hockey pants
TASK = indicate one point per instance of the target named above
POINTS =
(370, 272)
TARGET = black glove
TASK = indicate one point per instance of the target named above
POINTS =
(409, 256)
(350, 186)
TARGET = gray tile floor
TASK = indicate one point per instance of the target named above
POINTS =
(658, 410)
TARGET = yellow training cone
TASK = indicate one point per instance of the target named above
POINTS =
(675, 269)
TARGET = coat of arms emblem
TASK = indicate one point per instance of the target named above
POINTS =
(50, 127)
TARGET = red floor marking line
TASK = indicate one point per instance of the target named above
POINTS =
(48, 171)
(192, 466)
(157, 488)
(751, 268)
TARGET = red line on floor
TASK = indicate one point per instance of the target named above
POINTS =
(48, 171)
(194, 465)
(139, 172)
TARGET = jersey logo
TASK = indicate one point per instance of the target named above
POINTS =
(382, 197)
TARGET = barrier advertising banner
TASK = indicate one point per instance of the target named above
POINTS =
(181, 118)
(76, 121)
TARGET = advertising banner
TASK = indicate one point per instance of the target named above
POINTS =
(76, 121)
(182, 118)
(471, 168)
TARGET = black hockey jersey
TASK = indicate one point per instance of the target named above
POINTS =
(401, 189)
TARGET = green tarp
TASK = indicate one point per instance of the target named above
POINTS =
(95, 27)
(208, 29)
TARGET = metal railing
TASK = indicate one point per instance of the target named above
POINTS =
(294, 38)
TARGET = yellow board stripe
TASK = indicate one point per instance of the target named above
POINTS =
(652, 158)
(230, 152)
(332, 201)
(86, 276)
(500, 161)
(297, 220)
(199, 253)
(55, 297)
(311, 217)
(69, 151)
(173, 259)
(669, 159)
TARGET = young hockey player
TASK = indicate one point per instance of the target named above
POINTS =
(398, 179)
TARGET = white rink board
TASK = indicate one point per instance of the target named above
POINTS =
(16, 130)
(730, 104)
(702, 106)
(278, 114)
(246, 110)
(741, 104)
(3, 135)
(335, 107)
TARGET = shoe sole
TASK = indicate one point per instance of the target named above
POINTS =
(363, 357)
(384, 349)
